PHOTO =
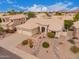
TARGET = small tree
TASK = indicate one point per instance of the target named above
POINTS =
(51, 34)
(25, 42)
(31, 14)
(76, 17)
(68, 24)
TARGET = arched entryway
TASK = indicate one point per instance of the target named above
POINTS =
(43, 29)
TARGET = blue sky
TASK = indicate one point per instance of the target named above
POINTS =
(38, 5)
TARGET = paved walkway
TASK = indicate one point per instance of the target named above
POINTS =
(10, 43)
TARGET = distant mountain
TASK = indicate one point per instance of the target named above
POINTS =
(77, 10)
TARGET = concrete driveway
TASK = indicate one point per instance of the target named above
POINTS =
(10, 43)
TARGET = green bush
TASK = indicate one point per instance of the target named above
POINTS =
(31, 14)
(45, 44)
(68, 24)
(25, 42)
(76, 17)
(51, 34)
(74, 49)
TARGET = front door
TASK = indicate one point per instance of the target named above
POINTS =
(43, 29)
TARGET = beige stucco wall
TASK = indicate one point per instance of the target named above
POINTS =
(77, 32)
(27, 32)
(34, 31)
(18, 22)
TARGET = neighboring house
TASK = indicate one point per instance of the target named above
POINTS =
(10, 21)
(40, 24)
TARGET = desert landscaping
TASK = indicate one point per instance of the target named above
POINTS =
(43, 35)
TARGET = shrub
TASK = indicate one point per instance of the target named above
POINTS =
(74, 49)
(71, 41)
(60, 43)
(51, 34)
(25, 42)
(58, 13)
(31, 46)
(10, 31)
(31, 14)
(30, 43)
(68, 24)
(75, 38)
(76, 17)
(45, 44)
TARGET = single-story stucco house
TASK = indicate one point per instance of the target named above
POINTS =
(39, 25)
(10, 21)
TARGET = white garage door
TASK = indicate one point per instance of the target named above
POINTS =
(25, 32)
